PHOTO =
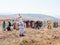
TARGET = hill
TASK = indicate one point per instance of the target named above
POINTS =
(36, 16)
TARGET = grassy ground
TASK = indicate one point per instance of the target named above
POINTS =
(32, 37)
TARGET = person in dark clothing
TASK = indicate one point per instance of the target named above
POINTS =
(32, 24)
(27, 23)
(55, 24)
(9, 26)
(38, 24)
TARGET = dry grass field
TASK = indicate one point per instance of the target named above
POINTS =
(32, 37)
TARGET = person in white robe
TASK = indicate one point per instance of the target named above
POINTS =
(21, 27)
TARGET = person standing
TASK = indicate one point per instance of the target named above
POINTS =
(3, 25)
(21, 27)
(14, 24)
(49, 24)
(9, 26)
(17, 25)
(37, 25)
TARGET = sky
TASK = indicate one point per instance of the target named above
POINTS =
(47, 7)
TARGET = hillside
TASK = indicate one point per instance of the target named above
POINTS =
(39, 16)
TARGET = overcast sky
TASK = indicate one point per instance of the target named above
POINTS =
(48, 7)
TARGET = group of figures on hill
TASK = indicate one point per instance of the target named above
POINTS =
(38, 24)
(21, 24)
(10, 26)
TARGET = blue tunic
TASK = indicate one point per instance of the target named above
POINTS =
(3, 26)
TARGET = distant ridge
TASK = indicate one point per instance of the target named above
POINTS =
(40, 16)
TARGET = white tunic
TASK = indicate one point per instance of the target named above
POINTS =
(21, 27)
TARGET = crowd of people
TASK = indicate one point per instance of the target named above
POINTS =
(28, 24)
(33, 24)
(21, 24)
